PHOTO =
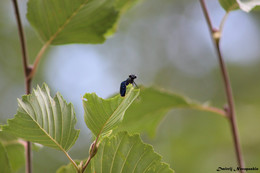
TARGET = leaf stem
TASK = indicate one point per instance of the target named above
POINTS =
(225, 16)
(230, 112)
(27, 70)
(210, 109)
(223, 21)
(71, 160)
(38, 58)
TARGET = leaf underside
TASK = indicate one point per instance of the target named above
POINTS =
(77, 21)
(44, 120)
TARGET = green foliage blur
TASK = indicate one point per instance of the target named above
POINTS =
(167, 44)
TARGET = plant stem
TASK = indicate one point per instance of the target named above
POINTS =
(210, 109)
(27, 70)
(71, 160)
(38, 58)
(21, 35)
(86, 164)
(221, 26)
(92, 153)
(231, 109)
(28, 157)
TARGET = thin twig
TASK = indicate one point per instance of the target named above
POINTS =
(27, 70)
(86, 164)
(28, 152)
(21, 35)
(231, 110)
(92, 153)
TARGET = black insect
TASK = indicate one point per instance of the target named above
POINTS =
(129, 80)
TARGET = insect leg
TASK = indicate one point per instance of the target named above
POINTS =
(135, 84)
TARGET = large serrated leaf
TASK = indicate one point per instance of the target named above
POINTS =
(125, 153)
(11, 153)
(229, 5)
(103, 115)
(151, 106)
(75, 21)
(44, 120)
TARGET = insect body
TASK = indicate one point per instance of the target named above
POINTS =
(129, 80)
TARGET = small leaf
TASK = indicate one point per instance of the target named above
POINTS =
(44, 120)
(11, 153)
(75, 21)
(125, 153)
(103, 115)
(69, 168)
(151, 106)
(248, 5)
(229, 5)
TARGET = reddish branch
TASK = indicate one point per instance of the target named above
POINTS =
(27, 71)
(230, 111)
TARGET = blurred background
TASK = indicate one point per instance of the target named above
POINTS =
(166, 44)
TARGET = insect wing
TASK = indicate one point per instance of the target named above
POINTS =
(123, 88)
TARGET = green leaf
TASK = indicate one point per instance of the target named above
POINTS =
(103, 115)
(69, 168)
(248, 5)
(229, 5)
(125, 153)
(151, 107)
(75, 21)
(44, 120)
(11, 153)
(4, 160)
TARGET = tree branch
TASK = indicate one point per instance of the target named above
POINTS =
(216, 36)
(27, 70)
(22, 39)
